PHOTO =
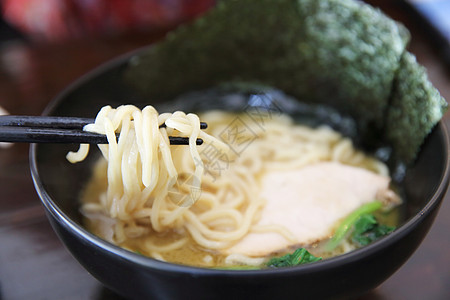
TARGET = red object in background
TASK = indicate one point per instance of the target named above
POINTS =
(58, 20)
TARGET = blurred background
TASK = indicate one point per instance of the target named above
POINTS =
(39, 37)
(47, 44)
(62, 20)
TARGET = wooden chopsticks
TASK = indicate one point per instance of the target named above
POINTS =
(45, 129)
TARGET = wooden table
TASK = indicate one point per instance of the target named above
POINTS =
(33, 262)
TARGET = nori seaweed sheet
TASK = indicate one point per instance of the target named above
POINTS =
(341, 53)
(415, 108)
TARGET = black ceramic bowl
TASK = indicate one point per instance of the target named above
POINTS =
(134, 276)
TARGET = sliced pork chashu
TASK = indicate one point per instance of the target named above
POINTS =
(309, 202)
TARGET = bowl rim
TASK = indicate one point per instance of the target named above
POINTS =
(151, 263)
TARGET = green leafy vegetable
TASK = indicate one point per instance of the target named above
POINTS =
(349, 221)
(367, 230)
(299, 257)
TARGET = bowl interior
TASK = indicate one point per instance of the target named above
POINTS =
(63, 181)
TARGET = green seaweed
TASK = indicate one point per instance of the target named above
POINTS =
(415, 109)
(342, 53)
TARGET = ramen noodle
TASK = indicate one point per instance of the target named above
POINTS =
(258, 185)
